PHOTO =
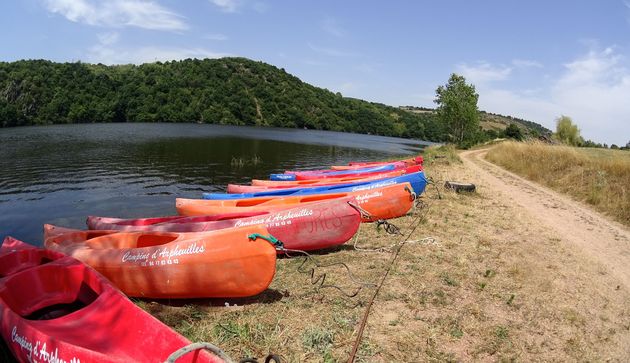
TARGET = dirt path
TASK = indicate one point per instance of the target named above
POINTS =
(602, 240)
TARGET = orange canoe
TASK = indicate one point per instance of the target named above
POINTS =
(381, 203)
(333, 181)
(222, 263)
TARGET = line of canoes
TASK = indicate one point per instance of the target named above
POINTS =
(223, 245)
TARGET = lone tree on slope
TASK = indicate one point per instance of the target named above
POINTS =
(567, 132)
(457, 108)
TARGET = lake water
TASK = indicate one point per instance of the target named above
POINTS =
(60, 174)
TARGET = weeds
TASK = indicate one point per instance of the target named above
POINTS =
(447, 279)
(243, 161)
(317, 339)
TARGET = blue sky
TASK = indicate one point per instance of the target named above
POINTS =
(531, 59)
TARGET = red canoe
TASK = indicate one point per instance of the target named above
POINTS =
(418, 160)
(310, 227)
(394, 165)
(56, 309)
(222, 263)
(330, 181)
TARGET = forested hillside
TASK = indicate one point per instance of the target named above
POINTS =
(233, 91)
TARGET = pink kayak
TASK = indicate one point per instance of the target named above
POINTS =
(268, 185)
(309, 227)
(56, 309)
(359, 169)
(345, 179)
(418, 160)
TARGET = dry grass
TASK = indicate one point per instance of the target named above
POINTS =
(598, 177)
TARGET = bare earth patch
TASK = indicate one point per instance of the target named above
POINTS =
(497, 281)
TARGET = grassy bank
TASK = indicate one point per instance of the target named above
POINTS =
(598, 177)
(476, 290)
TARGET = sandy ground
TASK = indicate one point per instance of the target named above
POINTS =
(599, 238)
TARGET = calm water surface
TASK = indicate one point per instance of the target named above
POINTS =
(60, 174)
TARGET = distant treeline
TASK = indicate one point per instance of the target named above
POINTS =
(231, 91)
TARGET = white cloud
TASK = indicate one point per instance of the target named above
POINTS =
(234, 6)
(483, 72)
(332, 51)
(108, 38)
(228, 6)
(347, 87)
(332, 27)
(118, 13)
(105, 52)
(593, 90)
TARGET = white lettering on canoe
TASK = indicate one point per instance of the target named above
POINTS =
(365, 197)
(163, 254)
(22, 341)
(373, 186)
(36, 354)
(135, 256)
(275, 218)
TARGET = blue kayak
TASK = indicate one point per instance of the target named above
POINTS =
(374, 169)
(417, 180)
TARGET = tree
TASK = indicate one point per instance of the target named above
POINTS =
(457, 108)
(567, 132)
(513, 132)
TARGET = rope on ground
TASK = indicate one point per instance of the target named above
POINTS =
(431, 181)
(425, 241)
(365, 215)
(396, 252)
(198, 346)
(319, 280)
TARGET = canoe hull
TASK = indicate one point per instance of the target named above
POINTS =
(69, 312)
(222, 263)
(336, 180)
(310, 227)
(381, 203)
(417, 180)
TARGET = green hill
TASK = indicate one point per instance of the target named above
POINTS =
(495, 122)
(233, 91)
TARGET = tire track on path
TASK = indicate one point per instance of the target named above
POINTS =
(598, 237)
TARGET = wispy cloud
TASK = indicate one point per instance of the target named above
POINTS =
(108, 38)
(526, 63)
(107, 51)
(235, 6)
(593, 89)
(332, 51)
(347, 87)
(215, 36)
(332, 27)
(118, 13)
(483, 72)
(228, 6)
